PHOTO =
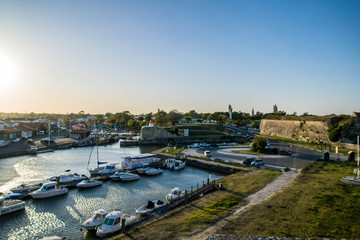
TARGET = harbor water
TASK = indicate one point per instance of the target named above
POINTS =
(63, 215)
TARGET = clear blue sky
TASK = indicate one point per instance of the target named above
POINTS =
(111, 56)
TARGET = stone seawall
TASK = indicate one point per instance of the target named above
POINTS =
(307, 131)
(152, 133)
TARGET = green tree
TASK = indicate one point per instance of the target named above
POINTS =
(188, 119)
(143, 123)
(275, 109)
(193, 114)
(161, 118)
(174, 116)
(148, 116)
(259, 144)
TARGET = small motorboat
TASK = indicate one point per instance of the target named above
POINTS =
(26, 188)
(174, 164)
(153, 171)
(49, 190)
(88, 183)
(127, 177)
(10, 205)
(109, 170)
(96, 220)
(175, 194)
(150, 207)
(142, 170)
(55, 238)
(70, 178)
(351, 180)
(117, 175)
(13, 196)
(113, 222)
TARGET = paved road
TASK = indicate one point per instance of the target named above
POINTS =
(298, 160)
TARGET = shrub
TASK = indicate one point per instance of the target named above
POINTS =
(259, 144)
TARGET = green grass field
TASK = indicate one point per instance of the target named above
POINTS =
(316, 205)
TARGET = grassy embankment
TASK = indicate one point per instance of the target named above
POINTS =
(316, 205)
(199, 214)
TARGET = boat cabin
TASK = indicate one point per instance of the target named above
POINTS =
(100, 215)
(48, 186)
(176, 191)
(113, 218)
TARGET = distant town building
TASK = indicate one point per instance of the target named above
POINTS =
(79, 134)
(356, 114)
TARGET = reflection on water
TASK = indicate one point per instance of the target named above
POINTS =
(63, 215)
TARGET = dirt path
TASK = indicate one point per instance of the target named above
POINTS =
(255, 198)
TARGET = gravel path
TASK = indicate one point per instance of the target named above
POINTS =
(271, 188)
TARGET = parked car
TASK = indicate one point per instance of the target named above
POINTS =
(247, 161)
(30, 141)
(257, 163)
(47, 140)
(285, 152)
(205, 145)
(16, 140)
(207, 153)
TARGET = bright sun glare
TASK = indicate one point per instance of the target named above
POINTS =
(8, 73)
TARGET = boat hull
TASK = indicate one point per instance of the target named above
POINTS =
(89, 185)
(11, 206)
(41, 195)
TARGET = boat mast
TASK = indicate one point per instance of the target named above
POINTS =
(97, 149)
(358, 159)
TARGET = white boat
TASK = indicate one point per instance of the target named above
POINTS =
(70, 179)
(113, 223)
(175, 194)
(49, 190)
(351, 180)
(174, 164)
(127, 177)
(3, 143)
(150, 207)
(88, 183)
(153, 171)
(26, 188)
(55, 238)
(96, 220)
(10, 205)
(142, 170)
(109, 169)
(139, 161)
(117, 175)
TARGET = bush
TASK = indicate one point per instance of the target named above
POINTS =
(259, 145)
(334, 133)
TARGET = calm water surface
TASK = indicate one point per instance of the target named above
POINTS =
(63, 215)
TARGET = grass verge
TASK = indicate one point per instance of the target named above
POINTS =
(192, 218)
(251, 152)
(173, 151)
(316, 205)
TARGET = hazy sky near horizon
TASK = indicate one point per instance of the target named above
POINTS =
(141, 55)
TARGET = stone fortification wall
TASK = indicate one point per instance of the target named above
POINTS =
(308, 131)
(151, 133)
